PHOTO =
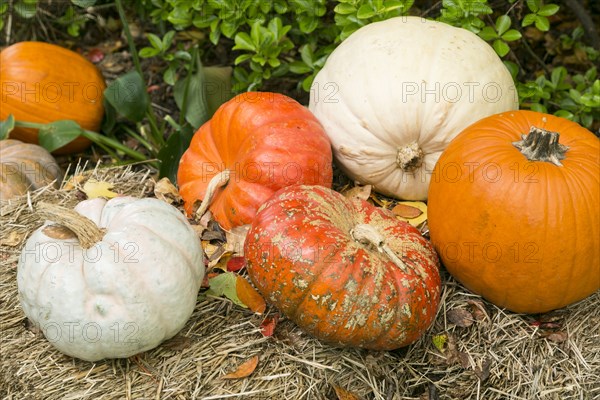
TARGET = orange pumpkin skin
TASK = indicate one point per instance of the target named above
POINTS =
(303, 256)
(267, 141)
(42, 83)
(523, 234)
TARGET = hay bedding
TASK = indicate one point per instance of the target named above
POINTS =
(487, 354)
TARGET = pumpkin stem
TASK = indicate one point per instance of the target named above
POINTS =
(70, 224)
(542, 145)
(219, 180)
(409, 157)
(366, 234)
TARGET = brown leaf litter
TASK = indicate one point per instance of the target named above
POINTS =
(495, 355)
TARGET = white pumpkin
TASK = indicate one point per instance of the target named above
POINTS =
(396, 92)
(133, 289)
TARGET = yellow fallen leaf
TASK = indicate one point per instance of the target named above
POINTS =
(74, 182)
(93, 189)
(439, 341)
(244, 370)
(165, 190)
(250, 296)
(405, 210)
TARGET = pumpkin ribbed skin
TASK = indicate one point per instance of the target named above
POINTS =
(25, 167)
(303, 257)
(267, 141)
(42, 83)
(523, 234)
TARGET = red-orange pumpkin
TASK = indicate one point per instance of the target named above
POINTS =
(42, 83)
(345, 271)
(514, 210)
(263, 141)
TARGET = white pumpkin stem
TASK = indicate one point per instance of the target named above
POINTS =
(366, 234)
(219, 180)
(409, 157)
(70, 223)
(542, 145)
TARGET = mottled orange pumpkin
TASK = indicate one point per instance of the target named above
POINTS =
(514, 210)
(42, 83)
(262, 141)
(343, 270)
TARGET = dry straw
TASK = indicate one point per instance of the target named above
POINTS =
(490, 355)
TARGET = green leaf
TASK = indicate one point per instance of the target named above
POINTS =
(127, 94)
(155, 41)
(344, 9)
(501, 48)
(511, 35)
(539, 108)
(243, 42)
(58, 133)
(587, 120)
(488, 33)
(542, 23)
(558, 75)
(26, 10)
(170, 76)
(299, 67)
(196, 107)
(512, 67)
(308, 23)
(502, 24)
(564, 114)
(148, 52)
(7, 126)
(225, 285)
(365, 11)
(170, 154)
(528, 20)
(307, 55)
(167, 40)
(533, 5)
(217, 81)
(84, 3)
(548, 10)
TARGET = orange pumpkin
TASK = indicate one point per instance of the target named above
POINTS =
(343, 270)
(257, 142)
(513, 210)
(42, 83)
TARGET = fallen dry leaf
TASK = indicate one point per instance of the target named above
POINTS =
(460, 317)
(234, 264)
(358, 192)
(250, 296)
(93, 189)
(267, 327)
(236, 238)
(556, 337)
(343, 394)
(74, 182)
(405, 211)
(13, 239)
(413, 212)
(244, 369)
(483, 372)
(165, 190)
(477, 309)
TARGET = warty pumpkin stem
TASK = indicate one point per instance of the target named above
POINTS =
(542, 145)
(409, 157)
(86, 231)
(219, 180)
(366, 234)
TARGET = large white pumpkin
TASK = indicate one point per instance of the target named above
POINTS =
(132, 290)
(395, 93)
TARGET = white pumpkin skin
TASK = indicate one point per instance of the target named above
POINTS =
(400, 82)
(131, 291)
